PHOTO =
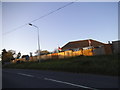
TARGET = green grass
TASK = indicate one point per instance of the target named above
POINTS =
(104, 65)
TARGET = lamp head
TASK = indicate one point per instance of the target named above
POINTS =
(30, 24)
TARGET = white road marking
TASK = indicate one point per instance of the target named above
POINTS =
(81, 86)
(25, 74)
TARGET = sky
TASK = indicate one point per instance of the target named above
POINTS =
(0, 27)
(78, 21)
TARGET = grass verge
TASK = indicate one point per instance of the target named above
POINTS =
(104, 65)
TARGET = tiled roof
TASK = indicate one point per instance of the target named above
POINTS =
(81, 44)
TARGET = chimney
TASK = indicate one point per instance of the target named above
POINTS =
(109, 42)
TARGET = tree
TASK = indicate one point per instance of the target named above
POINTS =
(12, 51)
(4, 55)
(7, 56)
(31, 54)
(10, 55)
(18, 55)
(42, 52)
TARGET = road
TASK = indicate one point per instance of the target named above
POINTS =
(23, 78)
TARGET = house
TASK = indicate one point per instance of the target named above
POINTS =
(99, 48)
(74, 45)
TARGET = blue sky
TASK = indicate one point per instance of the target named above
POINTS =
(78, 21)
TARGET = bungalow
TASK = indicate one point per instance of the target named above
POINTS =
(99, 48)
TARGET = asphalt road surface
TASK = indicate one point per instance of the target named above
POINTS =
(23, 78)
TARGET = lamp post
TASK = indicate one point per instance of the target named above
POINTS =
(38, 40)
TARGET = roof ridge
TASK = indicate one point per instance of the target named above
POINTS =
(81, 40)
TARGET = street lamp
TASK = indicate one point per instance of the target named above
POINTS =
(38, 40)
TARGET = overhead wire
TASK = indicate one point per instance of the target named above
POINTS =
(52, 12)
(40, 17)
(14, 29)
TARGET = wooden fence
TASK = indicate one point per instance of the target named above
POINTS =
(60, 55)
